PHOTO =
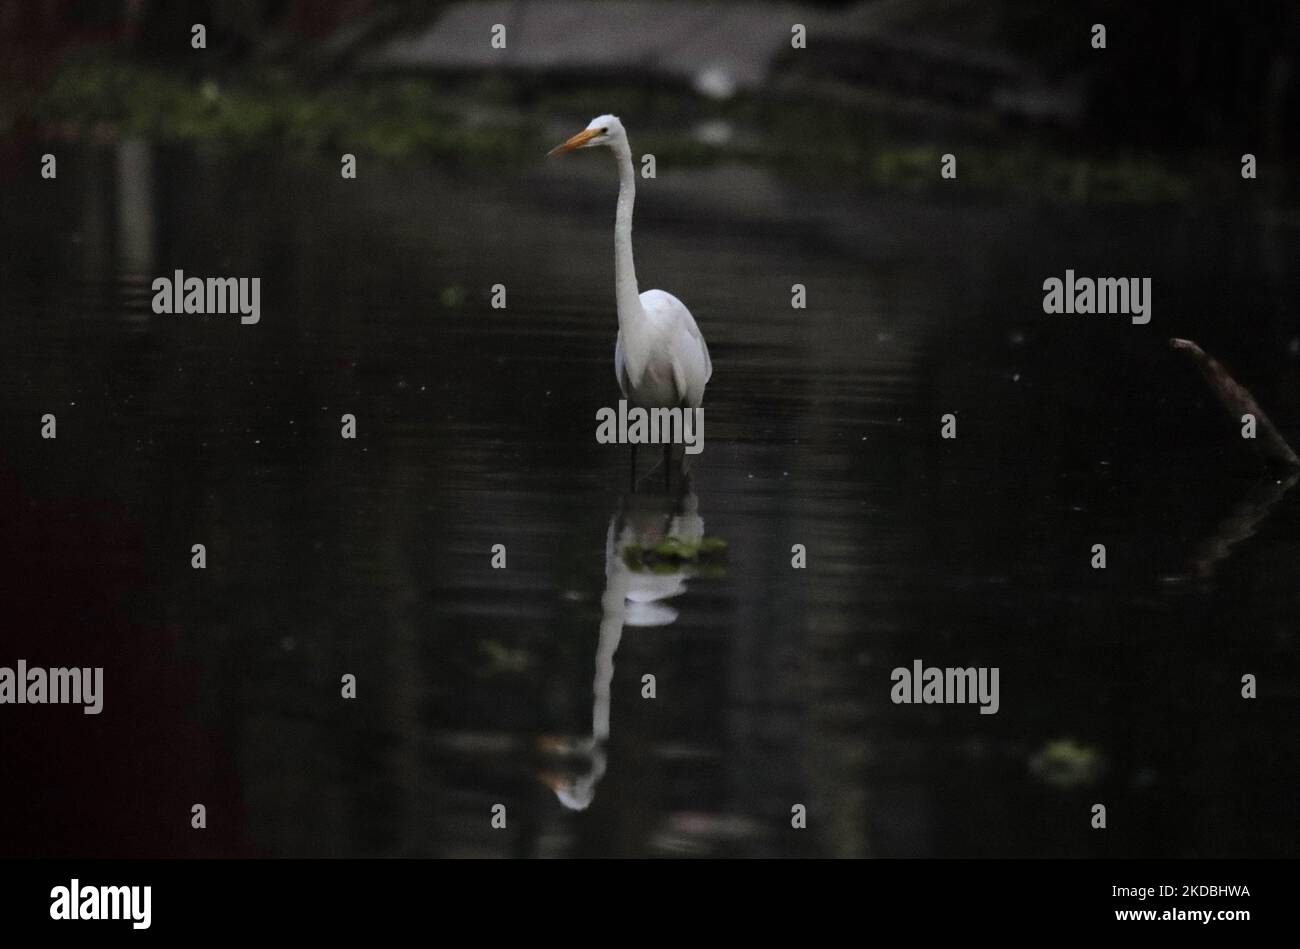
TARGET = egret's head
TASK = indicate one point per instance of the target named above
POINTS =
(604, 130)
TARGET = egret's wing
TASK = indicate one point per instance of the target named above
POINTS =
(692, 366)
(620, 367)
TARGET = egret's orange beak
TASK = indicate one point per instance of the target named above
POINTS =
(553, 780)
(582, 138)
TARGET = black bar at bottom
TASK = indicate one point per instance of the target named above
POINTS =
(306, 898)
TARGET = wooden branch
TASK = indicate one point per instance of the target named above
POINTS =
(1238, 401)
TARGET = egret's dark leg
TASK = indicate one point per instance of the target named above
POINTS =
(632, 474)
(668, 457)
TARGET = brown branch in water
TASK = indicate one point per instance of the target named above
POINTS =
(1244, 521)
(1238, 401)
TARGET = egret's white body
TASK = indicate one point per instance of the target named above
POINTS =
(660, 358)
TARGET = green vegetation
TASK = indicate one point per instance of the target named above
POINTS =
(673, 554)
(1066, 764)
(395, 120)
(486, 122)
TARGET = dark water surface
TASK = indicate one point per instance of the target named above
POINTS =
(523, 686)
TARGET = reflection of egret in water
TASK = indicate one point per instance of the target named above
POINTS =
(633, 597)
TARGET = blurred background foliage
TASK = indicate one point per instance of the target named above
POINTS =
(884, 88)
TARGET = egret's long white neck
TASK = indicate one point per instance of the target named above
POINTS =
(631, 315)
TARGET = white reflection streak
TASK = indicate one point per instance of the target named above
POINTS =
(632, 598)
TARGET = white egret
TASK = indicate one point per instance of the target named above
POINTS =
(660, 358)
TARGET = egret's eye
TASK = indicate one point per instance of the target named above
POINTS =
(604, 131)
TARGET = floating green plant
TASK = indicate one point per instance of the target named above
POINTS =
(673, 553)
(1066, 764)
